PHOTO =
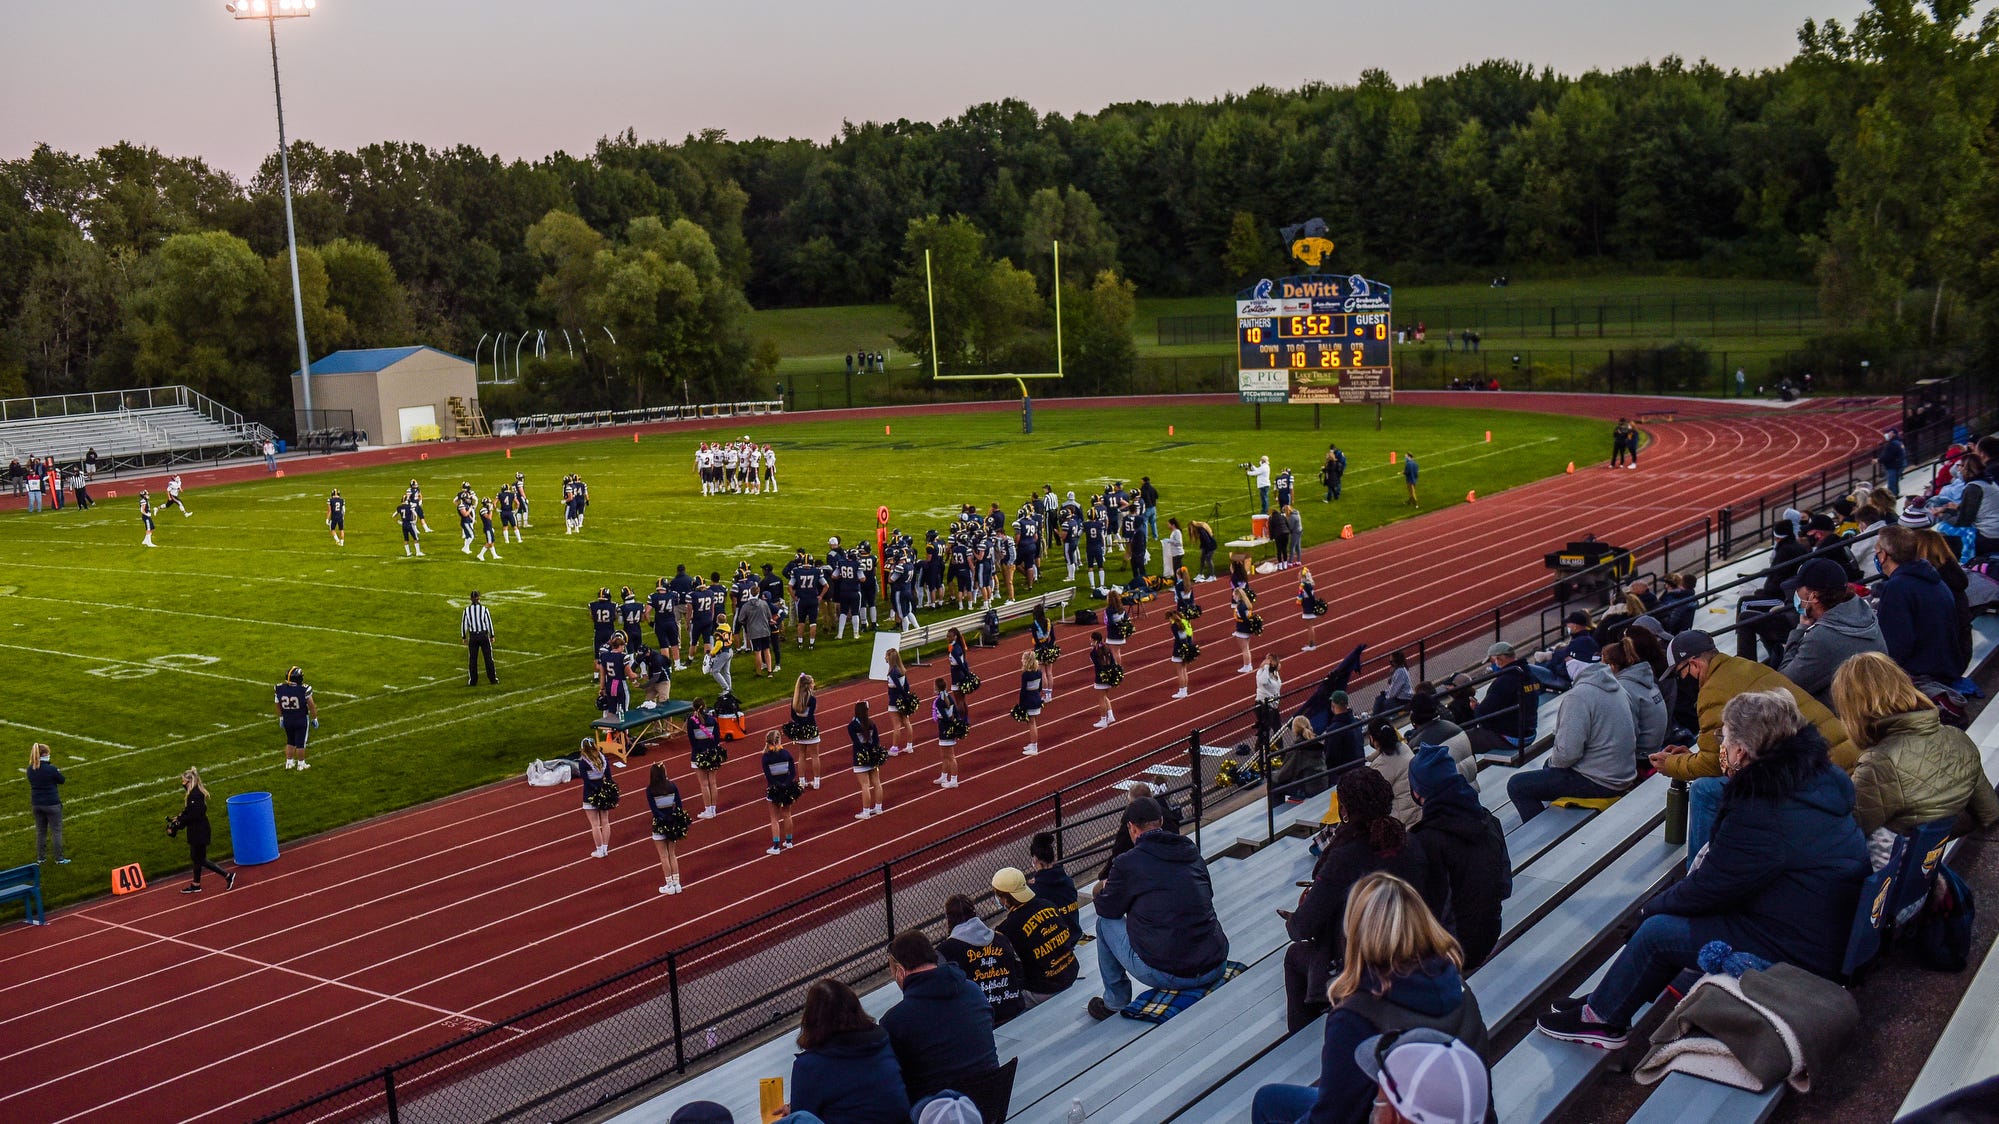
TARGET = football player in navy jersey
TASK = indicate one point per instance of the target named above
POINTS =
(336, 517)
(407, 517)
(415, 498)
(707, 601)
(631, 614)
(510, 514)
(961, 571)
(1093, 547)
(864, 560)
(847, 592)
(805, 590)
(297, 715)
(486, 529)
(521, 497)
(665, 622)
(603, 620)
(467, 505)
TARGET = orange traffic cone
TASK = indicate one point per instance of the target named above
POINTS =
(1572, 468)
(1346, 532)
(1391, 456)
(510, 454)
(635, 438)
(1488, 437)
(885, 431)
(1169, 431)
(1471, 496)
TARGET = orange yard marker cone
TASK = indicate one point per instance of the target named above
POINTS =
(1471, 496)
(1391, 456)
(635, 438)
(1346, 532)
(423, 456)
(1572, 468)
(1169, 431)
(281, 473)
(128, 879)
(885, 431)
(510, 454)
(1488, 437)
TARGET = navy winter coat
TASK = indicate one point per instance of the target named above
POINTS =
(1784, 866)
(851, 1078)
(1160, 888)
(1511, 687)
(1919, 621)
(942, 1031)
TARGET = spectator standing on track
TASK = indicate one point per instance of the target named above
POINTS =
(754, 617)
(1833, 624)
(1893, 457)
(988, 959)
(45, 801)
(1297, 522)
(270, 456)
(1280, 537)
(1409, 477)
(1269, 696)
(475, 628)
(1148, 500)
(1466, 849)
(1051, 883)
(846, 1071)
(1913, 769)
(193, 819)
(1156, 915)
(1173, 548)
(942, 1029)
(1594, 754)
(1040, 933)
(1204, 535)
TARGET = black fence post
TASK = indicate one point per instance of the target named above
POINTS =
(673, 990)
(1496, 624)
(1422, 658)
(1058, 825)
(389, 1091)
(1724, 521)
(888, 900)
(1194, 773)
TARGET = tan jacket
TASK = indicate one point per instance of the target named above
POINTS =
(1729, 676)
(1921, 770)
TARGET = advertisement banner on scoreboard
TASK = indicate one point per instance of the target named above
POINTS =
(1265, 387)
(1318, 338)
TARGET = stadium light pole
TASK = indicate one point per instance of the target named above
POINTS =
(271, 11)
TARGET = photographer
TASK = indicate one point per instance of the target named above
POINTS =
(193, 819)
(1259, 478)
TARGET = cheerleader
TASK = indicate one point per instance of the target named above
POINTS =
(1028, 709)
(708, 753)
(669, 825)
(1183, 596)
(781, 790)
(1108, 675)
(1239, 572)
(803, 728)
(1117, 620)
(1046, 651)
(949, 713)
(868, 758)
(600, 795)
(1309, 606)
(962, 679)
(1184, 648)
(901, 704)
(1247, 624)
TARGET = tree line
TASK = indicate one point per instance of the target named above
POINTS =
(1865, 162)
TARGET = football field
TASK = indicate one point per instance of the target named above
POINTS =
(134, 663)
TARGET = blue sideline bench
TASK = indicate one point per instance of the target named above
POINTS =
(24, 883)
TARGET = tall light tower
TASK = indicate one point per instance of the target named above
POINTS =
(271, 11)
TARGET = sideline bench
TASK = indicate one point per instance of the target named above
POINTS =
(25, 883)
(913, 640)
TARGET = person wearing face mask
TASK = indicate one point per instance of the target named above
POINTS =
(1505, 718)
(46, 802)
(1833, 624)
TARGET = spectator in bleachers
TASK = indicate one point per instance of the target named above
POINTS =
(1040, 933)
(1780, 878)
(987, 958)
(1913, 769)
(1368, 838)
(1343, 733)
(1425, 1077)
(1552, 667)
(1402, 972)
(1641, 690)
(1124, 840)
(1823, 538)
(1428, 726)
(1303, 773)
(1649, 639)
(1675, 612)
(1387, 755)
(942, 1029)
(1052, 884)
(845, 1071)
(1156, 915)
(1939, 553)
(1466, 849)
(1867, 521)
(1918, 614)
(1461, 703)
(1767, 628)
(1594, 751)
(1506, 716)
(1833, 624)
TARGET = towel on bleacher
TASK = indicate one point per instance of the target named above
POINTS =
(1160, 1004)
(1780, 1024)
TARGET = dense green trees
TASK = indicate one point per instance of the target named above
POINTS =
(1867, 162)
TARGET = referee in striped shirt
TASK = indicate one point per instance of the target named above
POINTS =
(475, 625)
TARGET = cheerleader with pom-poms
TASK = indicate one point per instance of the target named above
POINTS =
(708, 754)
(803, 728)
(1117, 620)
(1028, 709)
(962, 679)
(781, 790)
(1183, 596)
(669, 825)
(1184, 648)
(1239, 572)
(1046, 651)
(600, 795)
(948, 711)
(1247, 624)
(868, 758)
(1108, 675)
(901, 704)
(1309, 606)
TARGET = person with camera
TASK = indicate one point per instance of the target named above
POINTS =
(1259, 478)
(193, 819)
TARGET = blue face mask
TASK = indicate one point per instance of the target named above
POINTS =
(1798, 604)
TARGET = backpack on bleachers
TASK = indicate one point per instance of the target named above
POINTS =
(1942, 932)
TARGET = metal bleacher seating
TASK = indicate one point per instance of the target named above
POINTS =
(145, 425)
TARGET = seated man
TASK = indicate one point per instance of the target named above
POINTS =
(1833, 625)
(1918, 612)
(942, 1029)
(1156, 915)
(1595, 750)
(1551, 667)
(1040, 933)
(1505, 718)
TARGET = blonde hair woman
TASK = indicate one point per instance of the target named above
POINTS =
(45, 802)
(193, 819)
(600, 795)
(901, 704)
(803, 726)
(1028, 708)
(1401, 964)
(1913, 769)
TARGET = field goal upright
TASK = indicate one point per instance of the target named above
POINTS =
(1019, 378)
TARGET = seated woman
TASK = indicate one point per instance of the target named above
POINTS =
(1401, 973)
(1389, 755)
(1913, 769)
(1779, 878)
(1367, 839)
(845, 1070)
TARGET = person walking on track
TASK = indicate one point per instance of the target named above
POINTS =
(475, 627)
(193, 820)
(1409, 477)
(669, 825)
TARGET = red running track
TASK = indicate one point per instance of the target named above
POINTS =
(375, 942)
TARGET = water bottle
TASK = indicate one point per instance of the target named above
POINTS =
(1076, 1113)
(1676, 813)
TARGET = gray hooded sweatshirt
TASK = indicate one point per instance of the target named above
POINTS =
(1813, 652)
(1594, 731)
(1648, 706)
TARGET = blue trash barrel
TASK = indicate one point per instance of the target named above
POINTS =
(253, 828)
(280, 444)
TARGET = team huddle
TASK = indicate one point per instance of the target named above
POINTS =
(508, 508)
(742, 467)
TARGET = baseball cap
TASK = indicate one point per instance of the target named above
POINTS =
(1010, 881)
(1651, 624)
(1144, 810)
(1817, 574)
(1339, 698)
(1688, 645)
(947, 1107)
(701, 1112)
(1427, 1076)
(1577, 617)
(1821, 522)
(1502, 648)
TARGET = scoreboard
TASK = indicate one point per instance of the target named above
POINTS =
(1315, 339)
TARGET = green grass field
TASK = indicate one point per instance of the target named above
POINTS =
(136, 663)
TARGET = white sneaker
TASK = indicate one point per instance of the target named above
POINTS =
(706, 814)
(675, 883)
(302, 766)
(1030, 750)
(290, 764)
(774, 849)
(815, 783)
(1181, 693)
(599, 853)
(943, 780)
(787, 844)
(666, 888)
(1102, 722)
(866, 813)
(879, 810)
(953, 784)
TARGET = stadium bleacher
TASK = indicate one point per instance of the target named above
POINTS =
(144, 425)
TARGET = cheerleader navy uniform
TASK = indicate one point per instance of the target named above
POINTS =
(1247, 623)
(1029, 704)
(781, 777)
(1108, 673)
(669, 819)
(900, 698)
(962, 679)
(600, 792)
(804, 728)
(1183, 599)
(705, 747)
(1117, 627)
(1308, 603)
(1045, 648)
(950, 718)
(867, 742)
